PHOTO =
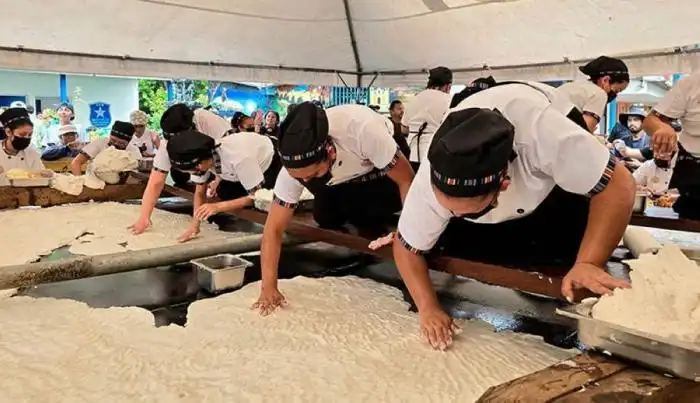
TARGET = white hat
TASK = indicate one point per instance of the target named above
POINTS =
(67, 129)
(139, 118)
(18, 104)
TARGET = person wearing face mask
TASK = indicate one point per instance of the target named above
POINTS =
(510, 180)
(119, 138)
(146, 140)
(607, 78)
(347, 158)
(422, 115)
(247, 164)
(17, 151)
(682, 102)
(655, 175)
(177, 118)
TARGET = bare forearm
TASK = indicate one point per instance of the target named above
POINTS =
(156, 183)
(608, 216)
(236, 204)
(414, 272)
(653, 123)
(270, 257)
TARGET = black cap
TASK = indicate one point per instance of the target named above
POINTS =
(470, 152)
(475, 86)
(236, 118)
(177, 118)
(605, 66)
(439, 76)
(187, 149)
(14, 116)
(123, 130)
(303, 136)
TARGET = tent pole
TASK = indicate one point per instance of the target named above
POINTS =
(353, 42)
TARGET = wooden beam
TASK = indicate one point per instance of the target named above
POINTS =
(14, 197)
(555, 381)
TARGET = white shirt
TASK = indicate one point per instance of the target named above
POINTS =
(206, 122)
(95, 147)
(586, 96)
(28, 159)
(145, 139)
(363, 141)
(683, 102)
(551, 149)
(654, 178)
(428, 106)
(244, 158)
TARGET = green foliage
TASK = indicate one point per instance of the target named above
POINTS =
(153, 99)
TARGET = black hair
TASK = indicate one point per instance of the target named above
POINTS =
(277, 115)
(394, 104)
(237, 118)
(18, 123)
(177, 118)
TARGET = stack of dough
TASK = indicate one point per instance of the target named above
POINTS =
(339, 339)
(638, 240)
(664, 299)
(104, 169)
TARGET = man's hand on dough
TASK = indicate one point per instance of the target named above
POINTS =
(140, 226)
(437, 328)
(591, 277)
(207, 210)
(190, 233)
(382, 242)
(268, 301)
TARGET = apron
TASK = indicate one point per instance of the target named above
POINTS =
(686, 178)
(368, 202)
(421, 130)
(549, 236)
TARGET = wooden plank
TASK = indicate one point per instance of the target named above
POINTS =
(13, 197)
(665, 218)
(636, 385)
(555, 381)
(303, 226)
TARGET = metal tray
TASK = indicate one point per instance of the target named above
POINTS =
(221, 272)
(31, 182)
(672, 356)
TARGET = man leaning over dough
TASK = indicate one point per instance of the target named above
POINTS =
(510, 180)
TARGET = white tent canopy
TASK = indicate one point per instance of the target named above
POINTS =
(311, 41)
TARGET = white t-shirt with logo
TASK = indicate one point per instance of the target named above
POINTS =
(145, 140)
(244, 158)
(428, 106)
(206, 122)
(363, 141)
(551, 150)
(683, 102)
(654, 178)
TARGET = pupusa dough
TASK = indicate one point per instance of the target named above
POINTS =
(664, 299)
(340, 340)
(38, 231)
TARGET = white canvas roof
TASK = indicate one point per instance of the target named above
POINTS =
(311, 41)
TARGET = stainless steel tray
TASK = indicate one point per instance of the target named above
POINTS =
(221, 272)
(672, 356)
